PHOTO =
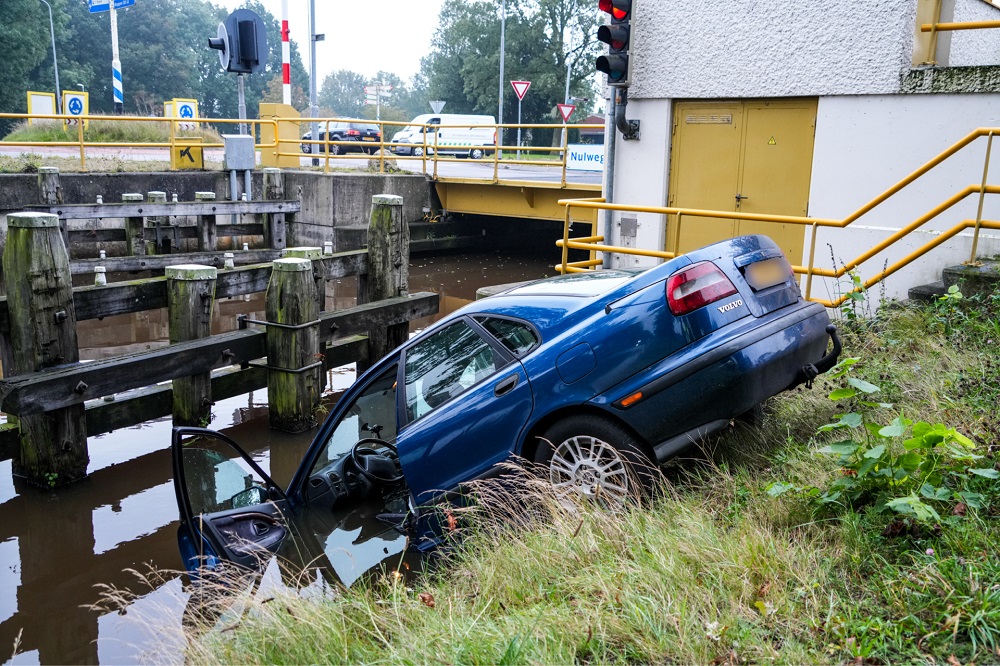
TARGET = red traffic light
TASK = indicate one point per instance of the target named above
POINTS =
(615, 36)
(619, 9)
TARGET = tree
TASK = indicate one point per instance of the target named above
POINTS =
(542, 37)
(343, 94)
(25, 32)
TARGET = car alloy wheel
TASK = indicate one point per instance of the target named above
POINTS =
(476, 153)
(592, 468)
(595, 457)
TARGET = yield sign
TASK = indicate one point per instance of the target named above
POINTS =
(520, 88)
(566, 110)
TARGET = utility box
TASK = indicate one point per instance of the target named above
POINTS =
(240, 153)
(287, 137)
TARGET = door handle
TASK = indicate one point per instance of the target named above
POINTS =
(741, 197)
(505, 386)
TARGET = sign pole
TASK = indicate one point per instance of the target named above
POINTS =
(116, 64)
(286, 58)
(242, 102)
(518, 128)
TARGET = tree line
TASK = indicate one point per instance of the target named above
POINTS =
(164, 54)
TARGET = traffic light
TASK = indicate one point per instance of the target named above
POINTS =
(241, 42)
(616, 35)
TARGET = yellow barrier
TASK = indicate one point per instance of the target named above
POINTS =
(595, 244)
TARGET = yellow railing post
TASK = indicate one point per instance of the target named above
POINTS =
(325, 146)
(565, 247)
(982, 197)
(496, 153)
(812, 262)
(79, 136)
(436, 133)
(565, 154)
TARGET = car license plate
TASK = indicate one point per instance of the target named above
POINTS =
(367, 138)
(764, 274)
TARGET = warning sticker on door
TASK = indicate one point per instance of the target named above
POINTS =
(772, 142)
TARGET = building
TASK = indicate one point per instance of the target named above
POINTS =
(816, 109)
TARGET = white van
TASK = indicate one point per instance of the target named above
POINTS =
(456, 130)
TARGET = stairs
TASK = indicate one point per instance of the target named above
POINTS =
(983, 278)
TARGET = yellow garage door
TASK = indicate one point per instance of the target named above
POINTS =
(752, 156)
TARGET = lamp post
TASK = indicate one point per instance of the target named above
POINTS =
(503, 32)
(52, 31)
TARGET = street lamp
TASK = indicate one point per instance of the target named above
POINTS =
(52, 31)
(503, 32)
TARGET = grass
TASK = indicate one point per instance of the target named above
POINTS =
(712, 569)
(108, 131)
(29, 163)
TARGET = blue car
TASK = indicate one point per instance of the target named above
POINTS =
(594, 375)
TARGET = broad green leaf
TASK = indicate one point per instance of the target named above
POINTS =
(867, 466)
(909, 461)
(842, 393)
(842, 367)
(862, 385)
(844, 448)
(896, 428)
(959, 438)
(851, 420)
(987, 472)
(875, 452)
(934, 493)
(779, 488)
(975, 500)
(913, 506)
(830, 498)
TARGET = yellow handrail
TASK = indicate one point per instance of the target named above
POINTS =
(594, 245)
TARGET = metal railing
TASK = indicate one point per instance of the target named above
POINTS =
(433, 153)
(595, 243)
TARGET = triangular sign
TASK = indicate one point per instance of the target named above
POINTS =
(520, 88)
(772, 142)
(566, 110)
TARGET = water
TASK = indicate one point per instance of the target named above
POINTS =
(57, 547)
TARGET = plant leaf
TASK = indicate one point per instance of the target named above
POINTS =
(844, 448)
(975, 500)
(862, 385)
(987, 472)
(914, 506)
(842, 393)
(851, 420)
(778, 488)
(875, 452)
(895, 429)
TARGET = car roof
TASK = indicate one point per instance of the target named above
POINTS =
(547, 303)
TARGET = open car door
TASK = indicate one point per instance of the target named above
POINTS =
(229, 508)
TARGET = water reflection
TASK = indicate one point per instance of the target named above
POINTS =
(56, 546)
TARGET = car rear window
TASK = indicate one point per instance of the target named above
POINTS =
(364, 126)
(516, 336)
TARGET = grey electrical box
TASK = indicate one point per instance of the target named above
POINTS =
(240, 154)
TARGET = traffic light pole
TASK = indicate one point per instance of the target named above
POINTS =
(116, 64)
(241, 92)
(313, 107)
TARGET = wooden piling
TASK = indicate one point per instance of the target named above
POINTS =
(135, 236)
(388, 267)
(50, 194)
(294, 363)
(190, 299)
(160, 243)
(207, 239)
(319, 273)
(43, 334)
(274, 223)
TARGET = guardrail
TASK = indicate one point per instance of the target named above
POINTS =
(432, 152)
(595, 242)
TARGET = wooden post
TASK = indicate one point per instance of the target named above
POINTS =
(207, 239)
(294, 365)
(50, 194)
(388, 268)
(161, 244)
(135, 236)
(190, 299)
(274, 223)
(43, 335)
(319, 272)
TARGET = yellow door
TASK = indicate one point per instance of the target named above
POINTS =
(769, 145)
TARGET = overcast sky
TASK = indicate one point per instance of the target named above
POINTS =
(353, 39)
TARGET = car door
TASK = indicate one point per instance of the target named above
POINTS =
(466, 400)
(229, 508)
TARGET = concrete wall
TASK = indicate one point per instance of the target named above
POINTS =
(328, 200)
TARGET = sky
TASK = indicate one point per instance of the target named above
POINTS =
(353, 39)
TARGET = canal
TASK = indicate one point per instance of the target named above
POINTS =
(58, 548)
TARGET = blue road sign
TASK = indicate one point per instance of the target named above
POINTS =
(186, 111)
(96, 6)
(75, 106)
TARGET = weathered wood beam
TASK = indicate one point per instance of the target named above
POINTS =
(145, 209)
(61, 387)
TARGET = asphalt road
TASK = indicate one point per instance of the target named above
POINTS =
(466, 169)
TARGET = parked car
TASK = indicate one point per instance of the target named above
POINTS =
(449, 133)
(367, 136)
(592, 375)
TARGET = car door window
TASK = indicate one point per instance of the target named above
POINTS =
(445, 365)
(516, 336)
(373, 414)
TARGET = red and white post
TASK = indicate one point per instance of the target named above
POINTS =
(286, 57)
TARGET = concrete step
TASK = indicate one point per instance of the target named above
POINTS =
(982, 278)
(928, 293)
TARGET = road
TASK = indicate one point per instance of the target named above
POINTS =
(465, 169)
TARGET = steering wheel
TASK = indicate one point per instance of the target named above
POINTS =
(366, 450)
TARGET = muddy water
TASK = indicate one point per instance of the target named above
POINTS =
(57, 548)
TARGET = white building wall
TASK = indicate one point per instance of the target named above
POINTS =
(878, 119)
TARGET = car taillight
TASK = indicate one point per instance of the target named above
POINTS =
(351, 132)
(697, 286)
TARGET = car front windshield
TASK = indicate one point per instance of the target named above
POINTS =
(372, 414)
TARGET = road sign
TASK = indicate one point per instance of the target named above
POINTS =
(96, 6)
(183, 108)
(566, 110)
(75, 103)
(520, 88)
(437, 105)
(41, 103)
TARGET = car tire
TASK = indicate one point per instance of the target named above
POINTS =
(417, 152)
(307, 148)
(477, 153)
(335, 149)
(593, 457)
